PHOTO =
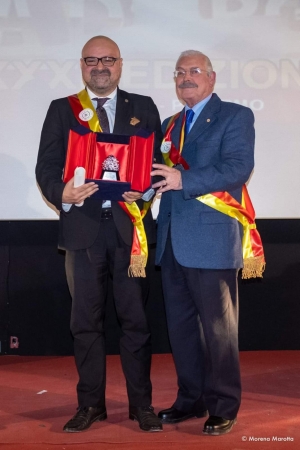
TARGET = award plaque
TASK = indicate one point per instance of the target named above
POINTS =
(110, 169)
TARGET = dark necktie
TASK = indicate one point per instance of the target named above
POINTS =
(101, 113)
(188, 120)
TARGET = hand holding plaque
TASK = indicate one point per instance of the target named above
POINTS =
(110, 172)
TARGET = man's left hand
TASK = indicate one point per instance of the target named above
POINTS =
(172, 178)
(132, 196)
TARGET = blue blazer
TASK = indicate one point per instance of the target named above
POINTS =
(220, 152)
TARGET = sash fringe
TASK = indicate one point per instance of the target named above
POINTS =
(253, 267)
(137, 266)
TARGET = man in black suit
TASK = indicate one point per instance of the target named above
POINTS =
(97, 238)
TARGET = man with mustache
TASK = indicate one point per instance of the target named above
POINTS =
(98, 237)
(208, 148)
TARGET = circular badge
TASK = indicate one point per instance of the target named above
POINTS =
(166, 147)
(86, 114)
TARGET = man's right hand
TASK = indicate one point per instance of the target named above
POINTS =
(78, 194)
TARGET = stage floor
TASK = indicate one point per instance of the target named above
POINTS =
(38, 396)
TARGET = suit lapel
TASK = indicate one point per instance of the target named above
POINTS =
(177, 129)
(206, 118)
(123, 113)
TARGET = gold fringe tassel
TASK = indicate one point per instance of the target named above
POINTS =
(253, 267)
(137, 266)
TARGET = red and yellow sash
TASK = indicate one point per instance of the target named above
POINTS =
(81, 104)
(253, 254)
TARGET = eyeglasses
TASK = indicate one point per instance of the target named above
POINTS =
(105, 60)
(194, 72)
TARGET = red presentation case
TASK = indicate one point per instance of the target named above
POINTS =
(89, 150)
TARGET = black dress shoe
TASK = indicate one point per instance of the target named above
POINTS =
(217, 425)
(146, 418)
(173, 415)
(84, 418)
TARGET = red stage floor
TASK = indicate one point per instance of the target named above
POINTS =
(38, 396)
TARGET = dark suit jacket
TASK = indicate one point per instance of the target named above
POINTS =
(79, 227)
(220, 152)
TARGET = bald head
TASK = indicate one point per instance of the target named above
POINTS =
(101, 79)
(99, 41)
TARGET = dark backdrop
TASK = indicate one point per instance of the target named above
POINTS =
(35, 302)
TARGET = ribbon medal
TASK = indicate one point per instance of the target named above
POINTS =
(86, 114)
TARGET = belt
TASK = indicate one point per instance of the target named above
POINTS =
(106, 213)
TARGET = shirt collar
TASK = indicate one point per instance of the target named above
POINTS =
(199, 106)
(110, 96)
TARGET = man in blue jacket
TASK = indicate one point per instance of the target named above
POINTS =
(200, 248)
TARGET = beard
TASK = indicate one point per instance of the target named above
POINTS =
(100, 81)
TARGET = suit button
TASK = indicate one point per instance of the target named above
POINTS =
(169, 214)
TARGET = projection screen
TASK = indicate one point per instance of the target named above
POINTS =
(254, 46)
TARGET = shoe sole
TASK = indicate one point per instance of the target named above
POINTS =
(190, 416)
(133, 417)
(220, 432)
(99, 418)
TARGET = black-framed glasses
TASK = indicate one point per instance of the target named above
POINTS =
(194, 72)
(105, 60)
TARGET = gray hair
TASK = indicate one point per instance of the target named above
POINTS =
(196, 53)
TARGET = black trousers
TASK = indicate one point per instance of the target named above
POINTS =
(202, 315)
(88, 272)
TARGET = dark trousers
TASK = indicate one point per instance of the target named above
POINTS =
(88, 272)
(202, 315)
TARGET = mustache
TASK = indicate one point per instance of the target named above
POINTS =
(188, 84)
(100, 72)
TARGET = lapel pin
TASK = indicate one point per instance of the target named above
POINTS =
(134, 121)
(126, 100)
(207, 120)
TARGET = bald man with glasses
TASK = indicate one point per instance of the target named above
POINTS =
(98, 236)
